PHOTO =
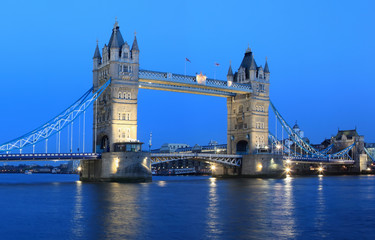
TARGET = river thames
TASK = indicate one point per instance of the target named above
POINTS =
(49, 206)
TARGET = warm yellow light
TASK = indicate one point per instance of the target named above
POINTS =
(288, 161)
(287, 170)
(278, 146)
(259, 166)
(79, 169)
(213, 167)
(368, 169)
(320, 169)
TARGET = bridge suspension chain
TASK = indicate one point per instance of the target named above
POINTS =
(56, 124)
(295, 137)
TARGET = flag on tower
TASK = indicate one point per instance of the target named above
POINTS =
(187, 60)
(217, 64)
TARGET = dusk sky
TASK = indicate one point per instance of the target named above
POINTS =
(320, 55)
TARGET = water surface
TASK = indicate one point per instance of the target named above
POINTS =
(46, 206)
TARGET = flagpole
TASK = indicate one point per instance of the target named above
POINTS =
(215, 72)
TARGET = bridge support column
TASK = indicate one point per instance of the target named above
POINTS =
(118, 167)
(262, 165)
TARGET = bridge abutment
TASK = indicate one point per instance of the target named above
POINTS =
(118, 167)
(262, 165)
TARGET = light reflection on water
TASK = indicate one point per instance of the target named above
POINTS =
(188, 208)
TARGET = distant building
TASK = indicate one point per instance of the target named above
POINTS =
(288, 142)
(172, 147)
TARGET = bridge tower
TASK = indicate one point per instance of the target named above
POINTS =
(116, 111)
(115, 114)
(248, 113)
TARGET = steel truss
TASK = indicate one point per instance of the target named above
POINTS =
(56, 124)
(225, 159)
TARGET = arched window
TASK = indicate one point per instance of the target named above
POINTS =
(119, 95)
(129, 95)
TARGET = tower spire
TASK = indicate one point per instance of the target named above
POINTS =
(266, 69)
(230, 72)
(135, 43)
(97, 52)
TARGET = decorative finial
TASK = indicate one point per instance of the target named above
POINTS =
(266, 58)
(97, 42)
(230, 62)
(135, 33)
(116, 23)
(248, 48)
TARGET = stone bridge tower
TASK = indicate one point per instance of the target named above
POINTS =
(116, 110)
(115, 115)
(248, 113)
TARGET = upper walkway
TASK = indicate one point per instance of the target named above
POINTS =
(189, 84)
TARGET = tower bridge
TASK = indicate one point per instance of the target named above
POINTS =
(117, 154)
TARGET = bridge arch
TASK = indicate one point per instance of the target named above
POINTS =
(242, 147)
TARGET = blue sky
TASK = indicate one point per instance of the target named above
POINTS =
(320, 55)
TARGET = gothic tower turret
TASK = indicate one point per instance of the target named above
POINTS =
(266, 71)
(96, 62)
(230, 75)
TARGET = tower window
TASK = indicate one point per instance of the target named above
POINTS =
(240, 109)
(119, 95)
(128, 132)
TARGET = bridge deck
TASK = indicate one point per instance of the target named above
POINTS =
(188, 84)
(226, 159)
(49, 156)
(318, 160)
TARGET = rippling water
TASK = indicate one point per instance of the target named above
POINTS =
(61, 207)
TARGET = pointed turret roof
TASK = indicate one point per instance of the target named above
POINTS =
(135, 43)
(97, 52)
(230, 72)
(248, 61)
(266, 70)
(116, 40)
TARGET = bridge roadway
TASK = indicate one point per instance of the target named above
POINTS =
(189, 84)
(311, 160)
(225, 159)
(49, 156)
(156, 158)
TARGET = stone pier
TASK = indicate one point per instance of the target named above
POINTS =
(118, 167)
